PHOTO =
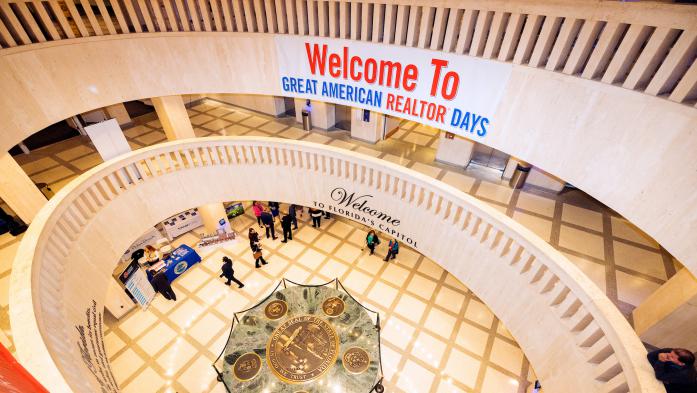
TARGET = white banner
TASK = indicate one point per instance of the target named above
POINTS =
(181, 223)
(432, 88)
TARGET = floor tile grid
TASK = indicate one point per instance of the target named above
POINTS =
(272, 254)
(163, 317)
(390, 311)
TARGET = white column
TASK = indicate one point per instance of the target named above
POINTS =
(667, 317)
(370, 131)
(454, 150)
(173, 113)
(18, 190)
(119, 113)
(323, 113)
(173, 116)
(212, 214)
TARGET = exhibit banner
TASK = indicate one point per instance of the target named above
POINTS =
(429, 87)
(139, 286)
(181, 223)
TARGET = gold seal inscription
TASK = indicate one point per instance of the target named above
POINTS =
(356, 360)
(302, 349)
(276, 309)
(333, 306)
(247, 366)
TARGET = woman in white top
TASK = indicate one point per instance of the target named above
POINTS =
(152, 256)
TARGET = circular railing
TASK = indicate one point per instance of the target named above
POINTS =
(575, 338)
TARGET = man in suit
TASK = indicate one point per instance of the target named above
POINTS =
(293, 215)
(286, 224)
(162, 285)
(267, 220)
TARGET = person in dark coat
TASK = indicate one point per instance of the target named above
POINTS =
(11, 224)
(286, 224)
(256, 247)
(162, 285)
(675, 367)
(253, 236)
(229, 272)
(275, 209)
(293, 216)
(267, 220)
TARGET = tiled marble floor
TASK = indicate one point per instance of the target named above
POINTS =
(619, 258)
(436, 335)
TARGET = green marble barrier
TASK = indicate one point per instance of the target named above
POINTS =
(354, 328)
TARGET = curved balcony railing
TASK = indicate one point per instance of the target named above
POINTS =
(575, 338)
(644, 47)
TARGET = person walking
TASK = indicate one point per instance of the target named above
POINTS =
(258, 208)
(392, 250)
(258, 256)
(372, 240)
(229, 272)
(293, 215)
(286, 224)
(316, 215)
(267, 220)
(275, 209)
(253, 236)
(162, 285)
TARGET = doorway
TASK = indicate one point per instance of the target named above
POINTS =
(289, 102)
(342, 117)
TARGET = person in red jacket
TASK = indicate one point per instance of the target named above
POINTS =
(258, 209)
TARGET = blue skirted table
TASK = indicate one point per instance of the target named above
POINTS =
(181, 260)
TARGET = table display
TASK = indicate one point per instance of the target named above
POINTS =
(179, 261)
(212, 242)
(312, 339)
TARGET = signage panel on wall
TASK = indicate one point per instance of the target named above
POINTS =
(429, 87)
(181, 223)
(359, 207)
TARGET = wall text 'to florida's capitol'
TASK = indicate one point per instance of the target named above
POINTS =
(357, 207)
